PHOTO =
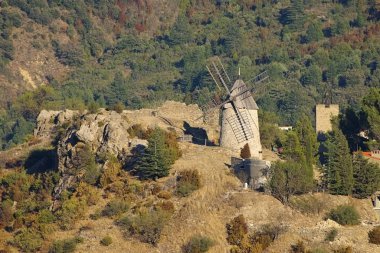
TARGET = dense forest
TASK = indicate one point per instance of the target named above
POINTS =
(134, 54)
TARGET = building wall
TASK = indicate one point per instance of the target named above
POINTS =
(324, 115)
(228, 138)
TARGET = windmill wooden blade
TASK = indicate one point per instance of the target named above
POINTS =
(219, 74)
(262, 77)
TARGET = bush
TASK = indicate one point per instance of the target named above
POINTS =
(138, 131)
(245, 152)
(28, 240)
(65, 246)
(115, 207)
(198, 244)
(307, 204)
(344, 250)
(298, 248)
(145, 226)
(344, 215)
(374, 235)
(330, 236)
(167, 206)
(164, 195)
(237, 229)
(106, 241)
(187, 182)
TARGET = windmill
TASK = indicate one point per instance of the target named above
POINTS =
(239, 124)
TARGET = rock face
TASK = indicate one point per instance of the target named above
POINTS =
(107, 132)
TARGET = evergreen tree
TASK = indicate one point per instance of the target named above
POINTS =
(292, 148)
(366, 177)
(338, 174)
(287, 178)
(181, 32)
(371, 108)
(312, 76)
(309, 144)
(295, 15)
(156, 160)
(314, 32)
(117, 91)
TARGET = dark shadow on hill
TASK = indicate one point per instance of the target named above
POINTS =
(199, 135)
(40, 161)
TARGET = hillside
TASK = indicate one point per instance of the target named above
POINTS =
(84, 54)
(48, 197)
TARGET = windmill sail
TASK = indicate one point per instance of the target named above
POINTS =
(219, 74)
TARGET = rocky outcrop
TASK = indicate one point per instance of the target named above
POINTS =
(107, 132)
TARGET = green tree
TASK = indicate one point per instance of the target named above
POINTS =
(292, 148)
(117, 91)
(156, 160)
(181, 32)
(339, 173)
(312, 76)
(366, 177)
(309, 144)
(295, 15)
(287, 178)
(314, 32)
(371, 108)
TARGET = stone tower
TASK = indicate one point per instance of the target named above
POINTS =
(235, 133)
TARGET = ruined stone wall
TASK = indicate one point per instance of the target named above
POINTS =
(324, 115)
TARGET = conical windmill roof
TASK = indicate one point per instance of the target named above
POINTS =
(245, 100)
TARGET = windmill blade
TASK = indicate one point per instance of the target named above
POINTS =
(263, 76)
(219, 74)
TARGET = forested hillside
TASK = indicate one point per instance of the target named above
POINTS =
(80, 54)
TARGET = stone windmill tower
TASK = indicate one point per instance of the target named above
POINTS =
(239, 111)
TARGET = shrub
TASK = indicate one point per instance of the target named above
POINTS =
(330, 236)
(65, 246)
(344, 250)
(167, 206)
(28, 240)
(298, 248)
(307, 204)
(374, 235)
(118, 107)
(145, 226)
(198, 244)
(187, 182)
(237, 229)
(106, 241)
(70, 211)
(245, 152)
(115, 207)
(344, 215)
(164, 195)
(138, 131)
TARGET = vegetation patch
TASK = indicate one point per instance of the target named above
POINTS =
(198, 244)
(66, 245)
(145, 226)
(106, 241)
(374, 235)
(115, 208)
(187, 182)
(345, 215)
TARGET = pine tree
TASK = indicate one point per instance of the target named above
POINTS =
(295, 15)
(309, 144)
(292, 148)
(181, 32)
(117, 91)
(338, 174)
(156, 160)
(366, 177)
(314, 32)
